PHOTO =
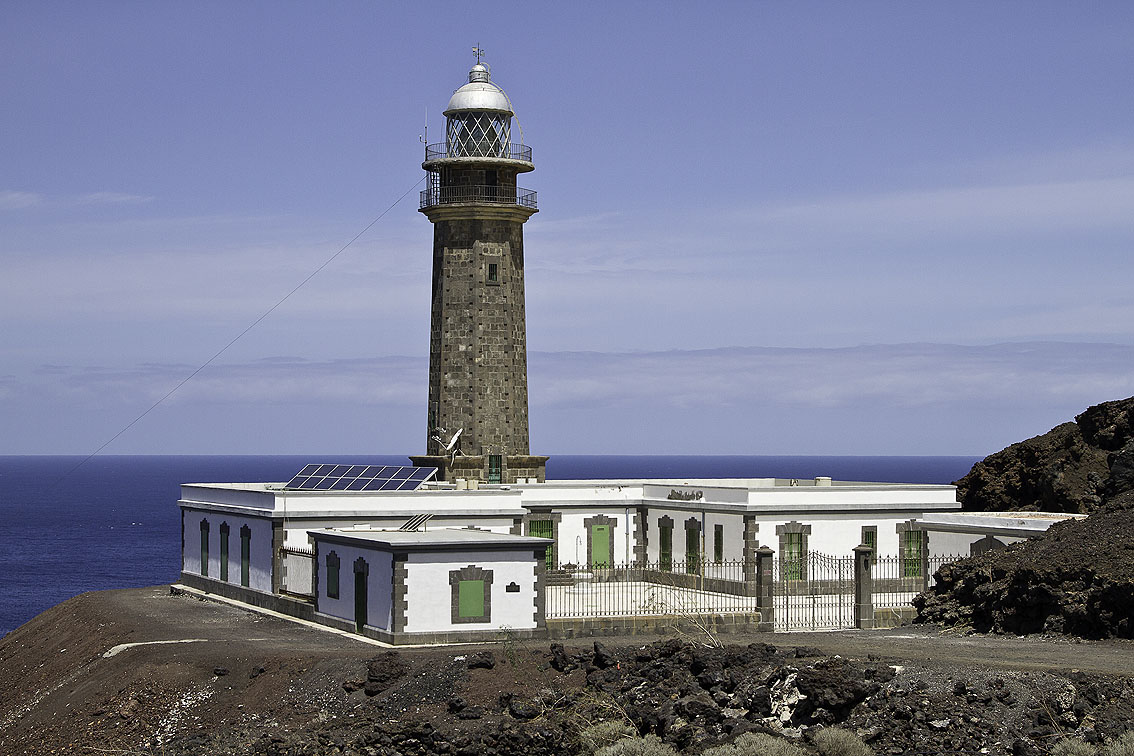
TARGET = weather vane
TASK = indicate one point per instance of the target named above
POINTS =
(479, 52)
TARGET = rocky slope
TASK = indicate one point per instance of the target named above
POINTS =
(1073, 467)
(1078, 578)
(144, 672)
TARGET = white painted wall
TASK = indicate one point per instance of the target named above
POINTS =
(733, 525)
(295, 528)
(845, 497)
(429, 595)
(838, 534)
(260, 554)
(379, 586)
(950, 544)
(573, 533)
(835, 534)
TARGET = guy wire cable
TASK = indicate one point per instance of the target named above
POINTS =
(238, 336)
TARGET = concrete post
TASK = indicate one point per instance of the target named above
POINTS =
(765, 595)
(863, 588)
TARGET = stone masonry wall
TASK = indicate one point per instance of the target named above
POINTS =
(478, 340)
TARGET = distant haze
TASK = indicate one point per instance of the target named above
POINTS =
(795, 228)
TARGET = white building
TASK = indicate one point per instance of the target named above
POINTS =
(339, 556)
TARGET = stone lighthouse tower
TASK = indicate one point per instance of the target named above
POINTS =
(478, 377)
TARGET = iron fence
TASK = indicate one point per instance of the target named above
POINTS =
(651, 589)
(895, 580)
(493, 195)
(489, 149)
(813, 592)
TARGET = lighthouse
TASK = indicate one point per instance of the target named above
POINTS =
(477, 415)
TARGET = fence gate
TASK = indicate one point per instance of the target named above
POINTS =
(297, 568)
(814, 592)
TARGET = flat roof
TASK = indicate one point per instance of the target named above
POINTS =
(449, 487)
(444, 538)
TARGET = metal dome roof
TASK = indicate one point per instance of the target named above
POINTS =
(479, 94)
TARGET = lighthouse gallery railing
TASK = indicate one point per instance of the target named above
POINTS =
(493, 195)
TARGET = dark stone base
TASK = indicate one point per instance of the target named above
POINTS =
(516, 466)
(711, 624)
(403, 638)
(292, 607)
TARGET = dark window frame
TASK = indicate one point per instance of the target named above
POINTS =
(469, 574)
(204, 548)
(245, 556)
(333, 568)
(665, 544)
(224, 533)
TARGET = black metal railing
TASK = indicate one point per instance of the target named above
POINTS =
(645, 588)
(498, 150)
(489, 195)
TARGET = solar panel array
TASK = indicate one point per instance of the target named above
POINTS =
(361, 478)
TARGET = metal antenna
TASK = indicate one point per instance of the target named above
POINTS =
(479, 52)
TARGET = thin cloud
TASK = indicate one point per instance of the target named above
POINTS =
(900, 375)
(112, 198)
(14, 200)
(1003, 209)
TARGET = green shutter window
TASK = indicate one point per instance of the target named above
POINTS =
(718, 543)
(793, 556)
(544, 529)
(333, 575)
(665, 548)
(870, 538)
(495, 468)
(205, 548)
(493, 273)
(692, 551)
(470, 598)
(912, 545)
(224, 551)
(245, 554)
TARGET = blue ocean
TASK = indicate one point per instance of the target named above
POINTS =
(113, 521)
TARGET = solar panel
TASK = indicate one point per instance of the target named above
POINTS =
(361, 478)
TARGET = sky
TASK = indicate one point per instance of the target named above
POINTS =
(764, 228)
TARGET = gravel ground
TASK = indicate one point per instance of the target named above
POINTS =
(243, 683)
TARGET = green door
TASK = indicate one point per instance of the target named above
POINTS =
(600, 546)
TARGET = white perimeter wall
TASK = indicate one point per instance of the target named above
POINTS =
(260, 553)
(379, 585)
(429, 595)
(943, 542)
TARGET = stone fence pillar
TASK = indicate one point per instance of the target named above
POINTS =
(765, 595)
(863, 588)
